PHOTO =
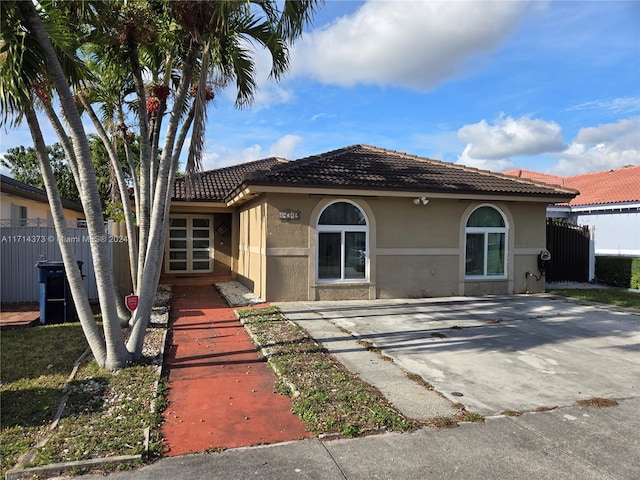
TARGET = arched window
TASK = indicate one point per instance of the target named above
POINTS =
(486, 243)
(342, 242)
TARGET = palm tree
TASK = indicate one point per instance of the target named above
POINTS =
(116, 353)
(23, 55)
(218, 48)
(203, 40)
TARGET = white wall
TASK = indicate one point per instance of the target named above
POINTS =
(615, 233)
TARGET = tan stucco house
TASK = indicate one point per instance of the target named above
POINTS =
(23, 205)
(361, 222)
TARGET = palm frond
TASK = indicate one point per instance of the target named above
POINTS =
(194, 158)
(22, 62)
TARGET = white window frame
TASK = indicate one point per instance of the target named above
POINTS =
(189, 239)
(342, 229)
(486, 231)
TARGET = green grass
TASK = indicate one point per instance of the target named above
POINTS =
(105, 414)
(35, 365)
(327, 397)
(611, 296)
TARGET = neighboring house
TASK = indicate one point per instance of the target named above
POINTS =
(27, 236)
(361, 223)
(22, 205)
(609, 202)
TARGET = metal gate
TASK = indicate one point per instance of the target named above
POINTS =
(21, 247)
(569, 247)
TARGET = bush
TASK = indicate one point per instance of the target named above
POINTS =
(619, 271)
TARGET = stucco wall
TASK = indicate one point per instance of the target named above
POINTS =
(287, 278)
(34, 209)
(417, 276)
(251, 253)
(530, 238)
(530, 227)
(222, 242)
(287, 247)
(402, 224)
(414, 250)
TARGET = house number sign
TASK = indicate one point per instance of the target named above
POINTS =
(290, 215)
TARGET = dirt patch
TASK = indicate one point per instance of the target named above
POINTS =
(597, 402)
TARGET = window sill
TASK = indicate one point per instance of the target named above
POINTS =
(355, 281)
(486, 278)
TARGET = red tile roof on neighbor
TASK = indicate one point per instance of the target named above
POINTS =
(621, 185)
(363, 167)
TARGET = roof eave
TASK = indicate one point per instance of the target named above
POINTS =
(246, 192)
(33, 193)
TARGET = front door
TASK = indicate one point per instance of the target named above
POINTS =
(190, 244)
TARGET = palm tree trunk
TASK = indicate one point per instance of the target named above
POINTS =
(155, 249)
(116, 354)
(134, 176)
(74, 277)
(64, 141)
(124, 197)
(143, 209)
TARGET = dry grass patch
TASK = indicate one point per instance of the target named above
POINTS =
(544, 409)
(328, 398)
(414, 377)
(597, 402)
(511, 413)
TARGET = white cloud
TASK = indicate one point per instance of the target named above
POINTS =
(412, 44)
(225, 156)
(494, 165)
(624, 133)
(616, 105)
(509, 137)
(604, 147)
(285, 147)
(268, 92)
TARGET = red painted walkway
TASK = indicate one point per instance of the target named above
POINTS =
(19, 315)
(221, 392)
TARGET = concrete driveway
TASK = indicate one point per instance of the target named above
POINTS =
(493, 354)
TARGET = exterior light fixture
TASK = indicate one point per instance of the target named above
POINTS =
(423, 200)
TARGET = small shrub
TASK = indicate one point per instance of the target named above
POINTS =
(618, 271)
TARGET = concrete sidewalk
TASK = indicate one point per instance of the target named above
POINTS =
(571, 443)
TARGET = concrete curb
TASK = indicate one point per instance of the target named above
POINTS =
(60, 468)
(588, 303)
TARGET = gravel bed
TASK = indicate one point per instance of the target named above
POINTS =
(158, 324)
(237, 295)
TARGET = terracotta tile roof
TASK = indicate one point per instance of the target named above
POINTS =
(537, 177)
(612, 186)
(372, 168)
(215, 185)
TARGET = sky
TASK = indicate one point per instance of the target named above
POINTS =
(547, 86)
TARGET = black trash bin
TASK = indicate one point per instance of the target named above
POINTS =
(56, 302)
